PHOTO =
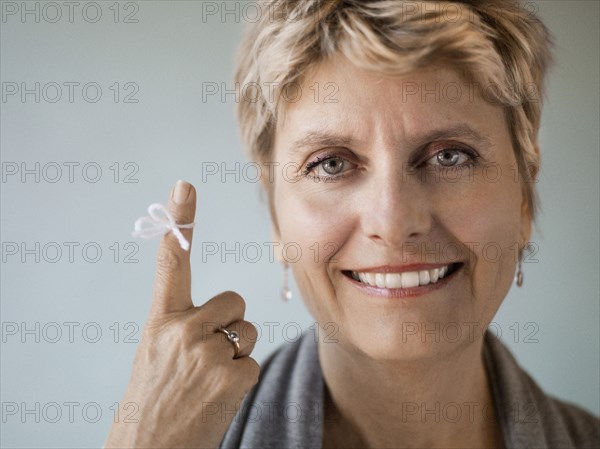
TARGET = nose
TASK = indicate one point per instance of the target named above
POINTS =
(396, 208)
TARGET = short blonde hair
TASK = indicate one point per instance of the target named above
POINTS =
(500, 43)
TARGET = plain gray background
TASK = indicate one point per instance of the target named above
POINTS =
(168, 134)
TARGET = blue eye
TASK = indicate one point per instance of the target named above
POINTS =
(328, 167)
(452, 157)
(333, 165)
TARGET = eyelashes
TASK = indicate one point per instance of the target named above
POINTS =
(331, 166)
(455, 154)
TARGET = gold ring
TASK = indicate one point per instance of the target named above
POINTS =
(234, 338)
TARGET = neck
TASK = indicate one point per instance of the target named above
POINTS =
(441, 402)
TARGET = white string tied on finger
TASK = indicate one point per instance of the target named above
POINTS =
(159, 223)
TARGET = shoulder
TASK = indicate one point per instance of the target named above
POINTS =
(530, 417)
(283, 408)
(582, 427)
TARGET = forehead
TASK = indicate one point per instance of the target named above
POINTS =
(338, 96)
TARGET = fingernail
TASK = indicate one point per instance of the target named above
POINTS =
(182, 190)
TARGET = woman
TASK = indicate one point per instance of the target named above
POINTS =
(390, 137)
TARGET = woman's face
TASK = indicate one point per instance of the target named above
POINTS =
(392, 178)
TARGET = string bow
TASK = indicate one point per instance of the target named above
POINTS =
(159, 223)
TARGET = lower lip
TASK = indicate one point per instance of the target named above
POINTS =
(403, 292)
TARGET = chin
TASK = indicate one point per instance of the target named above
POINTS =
(409, 343)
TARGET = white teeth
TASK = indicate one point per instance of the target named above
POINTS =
(393, 280)
(443, 271)
(402, 280)
(410, 279)
(370, 278)
(424, 277)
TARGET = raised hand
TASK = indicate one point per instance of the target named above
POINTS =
(184, 366)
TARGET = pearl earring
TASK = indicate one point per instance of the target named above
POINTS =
(519, 275)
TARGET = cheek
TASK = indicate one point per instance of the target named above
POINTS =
(317, 226)
(318, 221)
(487, 221)
(500, 221)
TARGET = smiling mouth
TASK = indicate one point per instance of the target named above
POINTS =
(407, 279)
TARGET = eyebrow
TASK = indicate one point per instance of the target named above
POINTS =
(320, 138)
(454, 131)
(324, 138)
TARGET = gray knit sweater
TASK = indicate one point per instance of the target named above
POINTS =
(284, 410)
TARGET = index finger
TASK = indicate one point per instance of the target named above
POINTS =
(173, 281)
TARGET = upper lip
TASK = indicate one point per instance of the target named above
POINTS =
(402, 268)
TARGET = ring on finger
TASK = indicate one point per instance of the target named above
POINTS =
(234, 338)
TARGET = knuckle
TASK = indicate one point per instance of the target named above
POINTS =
(249, 332)
(235, 299)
